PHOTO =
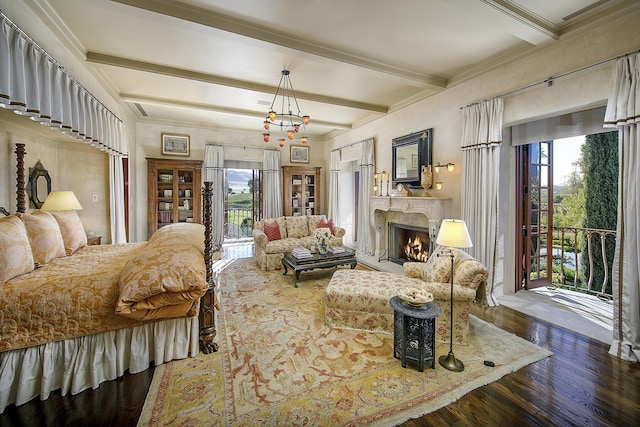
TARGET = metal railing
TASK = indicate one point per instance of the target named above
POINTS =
(572, 258)
(238, 223)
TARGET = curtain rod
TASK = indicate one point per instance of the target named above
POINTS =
(242, 146)
(549, 80)
(54, 61)
(351, 145)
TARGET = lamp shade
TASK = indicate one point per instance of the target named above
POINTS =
(61, 201)
(454, 233)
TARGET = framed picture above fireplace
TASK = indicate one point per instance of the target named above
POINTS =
(409, 154)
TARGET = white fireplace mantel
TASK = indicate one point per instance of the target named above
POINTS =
(433, 208)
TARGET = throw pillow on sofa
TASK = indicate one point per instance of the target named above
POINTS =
(297, 226)
(272, 230)
(326, 224)
(438, 265)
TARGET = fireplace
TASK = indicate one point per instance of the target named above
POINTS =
(408, 243)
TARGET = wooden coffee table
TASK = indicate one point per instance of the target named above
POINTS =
(316, 260)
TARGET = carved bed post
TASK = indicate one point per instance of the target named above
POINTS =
(208, 301)
(20, 179)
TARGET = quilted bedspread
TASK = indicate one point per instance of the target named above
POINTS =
(70, 297)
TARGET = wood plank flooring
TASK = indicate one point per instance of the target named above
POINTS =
(580, 385)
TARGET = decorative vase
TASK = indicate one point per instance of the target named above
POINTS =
(323, 247)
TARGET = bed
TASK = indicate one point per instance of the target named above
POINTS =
(73, 316)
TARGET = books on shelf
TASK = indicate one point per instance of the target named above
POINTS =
(301, 253)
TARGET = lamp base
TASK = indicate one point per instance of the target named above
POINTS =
(451, 363)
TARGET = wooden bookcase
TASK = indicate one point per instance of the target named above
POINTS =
(302, 195)
(174, 191)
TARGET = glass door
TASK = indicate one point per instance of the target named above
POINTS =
(536, 218)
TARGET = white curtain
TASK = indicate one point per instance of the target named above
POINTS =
(271, 185)
(623, 112)
(365, 167)
(481, 138)
(213, 171)
(334, 187)
(116, 199)
(33, 84)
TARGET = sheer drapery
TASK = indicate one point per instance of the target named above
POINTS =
(116, 199)
(623, 112)
(334, 187)
(272, 188)
(213, 171)
(481, 138)
(32, 83)
(365, 167)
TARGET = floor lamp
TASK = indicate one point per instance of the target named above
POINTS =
(454, 234)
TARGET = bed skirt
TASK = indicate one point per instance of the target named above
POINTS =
(76, 364)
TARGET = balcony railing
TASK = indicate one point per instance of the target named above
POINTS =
(238, 223)
(569, 254)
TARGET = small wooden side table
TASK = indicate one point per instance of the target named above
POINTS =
(94, 240)
(414, 330)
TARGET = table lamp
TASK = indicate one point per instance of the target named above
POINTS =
(61, 201)
(453, 234)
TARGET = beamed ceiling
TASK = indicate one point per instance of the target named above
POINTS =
(217, 63)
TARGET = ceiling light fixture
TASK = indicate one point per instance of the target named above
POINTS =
(288, 122)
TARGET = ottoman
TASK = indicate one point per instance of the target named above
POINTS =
(359, 299)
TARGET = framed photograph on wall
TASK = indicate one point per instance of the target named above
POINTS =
(175, 144)
(299, 154)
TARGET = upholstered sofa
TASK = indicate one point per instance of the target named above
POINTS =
(275, 236)
(359, 299)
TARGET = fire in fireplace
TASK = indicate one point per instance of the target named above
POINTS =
(408, 243)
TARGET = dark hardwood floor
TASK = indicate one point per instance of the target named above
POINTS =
(580, 385)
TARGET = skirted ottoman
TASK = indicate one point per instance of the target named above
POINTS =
(359, 299)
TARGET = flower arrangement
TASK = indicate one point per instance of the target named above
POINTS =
(322, 236)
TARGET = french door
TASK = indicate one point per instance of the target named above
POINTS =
(535, 219)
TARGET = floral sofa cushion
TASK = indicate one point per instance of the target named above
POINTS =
(297, 226)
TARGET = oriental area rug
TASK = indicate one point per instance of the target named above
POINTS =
(279, 365)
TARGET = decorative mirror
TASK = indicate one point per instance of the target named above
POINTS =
(409, 154)
(39, 185)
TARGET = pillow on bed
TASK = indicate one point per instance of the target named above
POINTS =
(15, 251)
(167, 278)
(44, 236)
(72, 230)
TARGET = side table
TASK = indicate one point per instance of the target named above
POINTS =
(414, 330)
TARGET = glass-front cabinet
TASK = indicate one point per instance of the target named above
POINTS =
(301, 190)
(174, 192)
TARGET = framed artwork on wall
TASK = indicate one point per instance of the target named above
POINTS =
(175, 144)
(299, 154)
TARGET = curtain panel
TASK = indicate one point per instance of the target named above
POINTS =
(481, 139)
(271, 185)
(213, 171)
(33, 84)
(365, 167)
(623, 113)
(334, 187)
(116, 199)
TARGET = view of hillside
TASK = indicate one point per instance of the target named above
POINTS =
(238, 180)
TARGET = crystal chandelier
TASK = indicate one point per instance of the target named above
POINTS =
(288, 122)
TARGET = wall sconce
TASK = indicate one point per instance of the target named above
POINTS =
(439, 178)
(449, 167)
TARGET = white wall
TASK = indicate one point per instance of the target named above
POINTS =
(442, 111)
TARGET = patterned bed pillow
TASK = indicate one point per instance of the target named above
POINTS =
(297, 226)
(15, 251)
(44, 236)
(272, 230)
(72, 230)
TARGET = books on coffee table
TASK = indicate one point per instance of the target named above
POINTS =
(301, 253)
(337, 250)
